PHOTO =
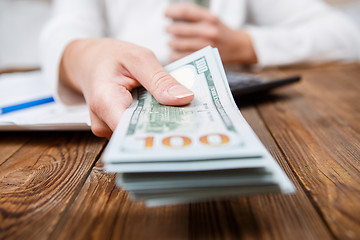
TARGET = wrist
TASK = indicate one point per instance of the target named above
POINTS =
(71, 67)
(244, 51)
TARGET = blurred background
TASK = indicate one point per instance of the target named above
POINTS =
(21, 22)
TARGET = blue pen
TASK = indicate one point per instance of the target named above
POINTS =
(25, 105)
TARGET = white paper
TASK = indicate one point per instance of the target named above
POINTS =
(18, 88)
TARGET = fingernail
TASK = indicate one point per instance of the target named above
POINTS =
(179, 91)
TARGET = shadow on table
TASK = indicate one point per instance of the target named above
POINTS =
(40, 137)
(264, 98)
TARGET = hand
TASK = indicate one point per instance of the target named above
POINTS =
(195, 27)
(105, 70)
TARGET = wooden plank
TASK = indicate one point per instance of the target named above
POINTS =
(283, 216)
(318, 130)
(41, 178)
(10, 143)
(102, 211)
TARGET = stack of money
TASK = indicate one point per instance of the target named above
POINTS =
(202, 151)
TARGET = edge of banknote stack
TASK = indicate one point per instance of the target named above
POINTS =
(199, 152)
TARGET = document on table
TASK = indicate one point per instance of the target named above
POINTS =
(23, 88)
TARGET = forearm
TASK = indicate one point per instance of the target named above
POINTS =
(69, 21)
(71, 64)
(295, 33)
(323, 40)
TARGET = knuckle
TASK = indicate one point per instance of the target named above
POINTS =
(213, 20)
(176, 44)
(178, 29)
(183, 12)
(100, 131)
(141, 53)
(97, 130)
(210, 42)
(95, 105)
(174, 56)
(160, 80)
(213, 34)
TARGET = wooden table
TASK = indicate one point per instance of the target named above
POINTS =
(52, 184)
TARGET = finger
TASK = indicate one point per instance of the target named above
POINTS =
(107, 105)
(190, 12)
(99, 127)
(148, 71)
(201, 30)
(189, 44)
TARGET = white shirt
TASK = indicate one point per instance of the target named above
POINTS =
(283, 32)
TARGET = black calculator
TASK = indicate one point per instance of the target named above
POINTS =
(246, 83)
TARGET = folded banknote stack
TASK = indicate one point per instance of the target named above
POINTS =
(199, 152)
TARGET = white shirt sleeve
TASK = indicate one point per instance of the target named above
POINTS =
(70, 20)
(286, 32)
(283, 32)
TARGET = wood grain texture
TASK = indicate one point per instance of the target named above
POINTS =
(50, 187)
(103, 211)
(318, 130)
(281, 216)
(39, 180)
(10, 143)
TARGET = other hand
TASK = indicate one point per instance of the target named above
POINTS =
(195, 27)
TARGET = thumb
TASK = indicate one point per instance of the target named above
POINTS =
(165, 89)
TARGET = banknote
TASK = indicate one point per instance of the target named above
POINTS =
(209, 128)
(167, 180)
(177, 196)
(205, 150)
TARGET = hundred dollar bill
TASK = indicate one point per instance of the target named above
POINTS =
(156, 181)
(168, 155)
(151, 136)
(211, 127)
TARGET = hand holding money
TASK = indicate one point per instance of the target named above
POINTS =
(201, 151)
(105, 70)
